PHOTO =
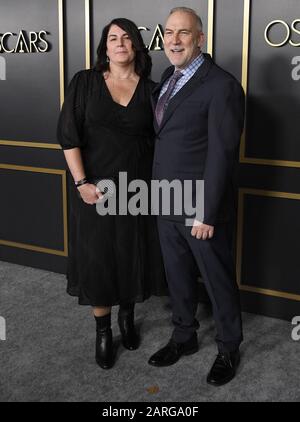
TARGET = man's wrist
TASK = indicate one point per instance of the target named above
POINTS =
(80, 182)
(197, 223)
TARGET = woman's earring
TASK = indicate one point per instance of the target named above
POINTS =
(107, 59)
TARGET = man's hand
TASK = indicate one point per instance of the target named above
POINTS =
(202, 231)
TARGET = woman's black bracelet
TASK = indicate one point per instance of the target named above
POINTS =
(81, 182)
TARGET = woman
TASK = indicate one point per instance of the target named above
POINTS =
(105, 127)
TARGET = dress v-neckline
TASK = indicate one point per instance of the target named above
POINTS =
(131, 99)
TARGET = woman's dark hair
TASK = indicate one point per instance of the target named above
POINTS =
(143, 62)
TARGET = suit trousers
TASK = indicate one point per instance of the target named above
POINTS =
(184, 256)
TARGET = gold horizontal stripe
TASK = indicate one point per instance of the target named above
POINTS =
(32, 248)
(29, 144)
(268, 292)
(268, 162)
(270, 193)
(33, 169)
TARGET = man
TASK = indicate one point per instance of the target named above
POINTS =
(199, 111)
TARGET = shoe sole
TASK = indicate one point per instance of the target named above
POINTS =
(131, 348)
(219, 384)
(105, 367)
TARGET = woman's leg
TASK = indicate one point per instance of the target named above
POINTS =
(101, 311)
(130, 338)
(104, 341)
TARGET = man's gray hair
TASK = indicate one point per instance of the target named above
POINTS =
(191, 12)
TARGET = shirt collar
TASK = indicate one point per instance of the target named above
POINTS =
(193, 65)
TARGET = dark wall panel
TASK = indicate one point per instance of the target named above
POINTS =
(273, 95)
(31, 88)
(268, 259)
(36, 157)
(74, 37)
(33, 216)
(228, 35)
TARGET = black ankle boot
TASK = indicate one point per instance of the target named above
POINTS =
(104, 342)
(130, 338)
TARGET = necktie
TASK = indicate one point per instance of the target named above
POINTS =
(164, 99)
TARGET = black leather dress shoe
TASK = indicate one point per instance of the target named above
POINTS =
(130, 338)
(104, 348)
(173, 351)
(224, 368)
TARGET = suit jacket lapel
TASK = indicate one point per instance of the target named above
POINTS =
(196, 80)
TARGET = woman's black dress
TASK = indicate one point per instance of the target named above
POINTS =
(112, 258)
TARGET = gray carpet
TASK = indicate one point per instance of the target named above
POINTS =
(48, 354)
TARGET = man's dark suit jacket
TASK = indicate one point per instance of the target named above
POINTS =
(199, 137)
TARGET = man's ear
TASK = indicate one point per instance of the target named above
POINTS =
(201, 40)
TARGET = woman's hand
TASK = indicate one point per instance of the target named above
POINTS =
(89, 193)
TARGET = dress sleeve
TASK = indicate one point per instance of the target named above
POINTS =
(71, 118)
